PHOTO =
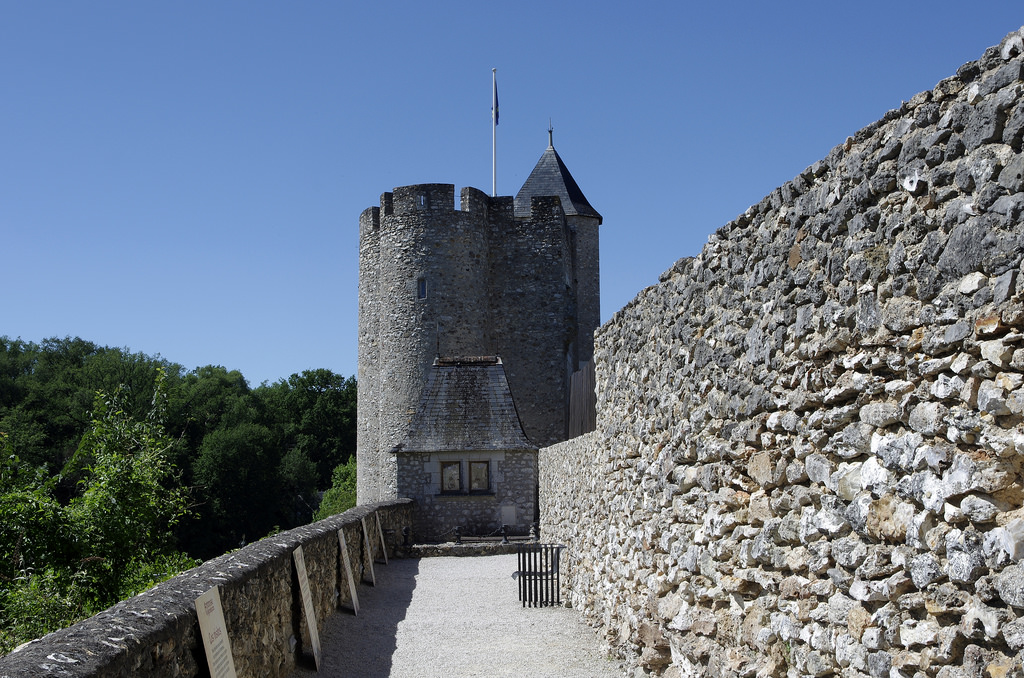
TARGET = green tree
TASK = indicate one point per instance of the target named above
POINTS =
(342, 495)
(131, 498)
(47, 391)
(112, 540)
(316, 411)
(253, 459)
(236, 474)
(202, 401)
(33, 529)
(206, 399)
(298, 480)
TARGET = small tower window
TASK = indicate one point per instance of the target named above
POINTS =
(421, 288)
(422, 202)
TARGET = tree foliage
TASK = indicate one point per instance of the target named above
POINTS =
(130, 498)
(342, 495)
(118, 469)
(66, 561)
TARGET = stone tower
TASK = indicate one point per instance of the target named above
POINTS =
(444, 292)
(551, 177)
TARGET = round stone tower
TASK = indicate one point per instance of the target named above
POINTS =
(493, 277)
(423, 292)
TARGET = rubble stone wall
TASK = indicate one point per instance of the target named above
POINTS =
(809, 450)
(156, 633)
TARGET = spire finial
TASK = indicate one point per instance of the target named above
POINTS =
(551, 144)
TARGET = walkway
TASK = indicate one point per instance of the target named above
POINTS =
(456, 616)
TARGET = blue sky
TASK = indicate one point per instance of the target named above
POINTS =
(185, 178)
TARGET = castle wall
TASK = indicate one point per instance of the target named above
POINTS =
(370, 481)
(810, 437)
(588, 283)
(534, 314)
(156, 633)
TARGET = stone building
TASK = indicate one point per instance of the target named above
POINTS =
(472, 321)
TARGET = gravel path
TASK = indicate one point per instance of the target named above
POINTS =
(449, 617)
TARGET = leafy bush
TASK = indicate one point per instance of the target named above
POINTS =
(93, 471)
(39, 602)
(64, 563)
(342, 495)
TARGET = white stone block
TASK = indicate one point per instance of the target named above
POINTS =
(873, 474)
(992, 399)
(972, 282)
(914, 632)
(996, 352)
(1011, 538)
(979, 508)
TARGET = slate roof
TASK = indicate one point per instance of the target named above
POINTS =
(551, 177)
(466, 405)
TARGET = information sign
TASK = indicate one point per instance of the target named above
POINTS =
(368, 552)
(215, 635)
(383, 546)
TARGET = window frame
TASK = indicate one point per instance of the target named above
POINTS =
(446, 465)
(487, 477)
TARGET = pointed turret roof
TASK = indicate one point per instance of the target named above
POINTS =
(551, 177)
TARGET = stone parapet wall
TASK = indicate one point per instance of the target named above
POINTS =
(157, 632)
(810, 437)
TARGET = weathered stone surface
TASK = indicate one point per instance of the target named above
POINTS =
(157, 633)
(1013, 633)
(922, 632)
(880, 414)
(1012, 175)
(875, 317)
(979, 508)
(971, 283)
(925, 569)
(1011, 539)
(928, 418)
(997, 352)
(1010, 585)
(992, 399)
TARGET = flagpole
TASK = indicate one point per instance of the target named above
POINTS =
(494, 132)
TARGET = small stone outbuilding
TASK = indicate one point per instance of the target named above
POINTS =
(466, 460)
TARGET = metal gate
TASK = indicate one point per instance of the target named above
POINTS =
(538, 574)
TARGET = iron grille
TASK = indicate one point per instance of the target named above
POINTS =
(538, 574)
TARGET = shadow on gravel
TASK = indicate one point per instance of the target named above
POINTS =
(361, 646)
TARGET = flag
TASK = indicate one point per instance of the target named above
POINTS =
(494, 105)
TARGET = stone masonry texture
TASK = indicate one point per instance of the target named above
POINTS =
(512, 503)
(156, 633)
(809, 449)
